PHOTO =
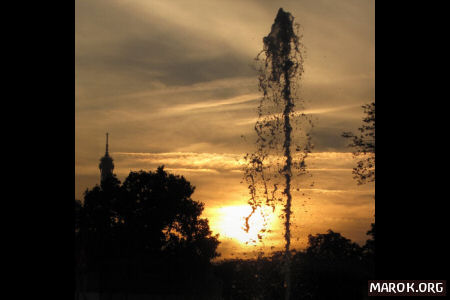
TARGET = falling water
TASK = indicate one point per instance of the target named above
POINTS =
(283, 141)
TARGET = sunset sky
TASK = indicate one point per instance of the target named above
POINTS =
(173, 82)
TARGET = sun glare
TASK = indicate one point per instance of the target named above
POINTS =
(232, 223)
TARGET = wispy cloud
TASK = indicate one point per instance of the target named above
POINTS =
(186, 108)
(310, 111)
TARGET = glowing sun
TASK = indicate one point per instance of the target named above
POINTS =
(232, 223)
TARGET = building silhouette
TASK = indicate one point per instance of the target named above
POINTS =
(106, 165)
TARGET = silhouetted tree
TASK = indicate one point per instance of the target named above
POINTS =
(332, 245)
(364, 145)
(159, 207)
(369, 247)
(145, 234)
(332, 267)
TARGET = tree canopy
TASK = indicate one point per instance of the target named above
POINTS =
(148, 223)
(332, 245)
(364, 146)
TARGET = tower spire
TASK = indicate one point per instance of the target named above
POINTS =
(107, 143)
(106, 165)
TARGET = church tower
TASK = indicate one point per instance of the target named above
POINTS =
(106, 164)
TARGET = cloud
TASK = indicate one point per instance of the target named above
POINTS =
(192, 107)
(155, 73)
(218, 175)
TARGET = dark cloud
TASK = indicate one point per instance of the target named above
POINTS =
(329, 139)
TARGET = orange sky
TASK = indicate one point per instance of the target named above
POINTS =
(173, 84)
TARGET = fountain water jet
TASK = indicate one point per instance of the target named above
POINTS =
(278, 129)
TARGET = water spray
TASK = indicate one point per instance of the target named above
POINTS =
(279, 131)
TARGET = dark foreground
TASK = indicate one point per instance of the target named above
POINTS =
(145, 239)
(331, 268)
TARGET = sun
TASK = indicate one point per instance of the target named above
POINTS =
(232, 223)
